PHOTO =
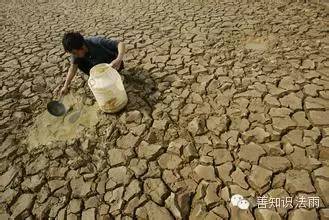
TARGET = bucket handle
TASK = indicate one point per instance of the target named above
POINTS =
(92, 82)
(61, 98)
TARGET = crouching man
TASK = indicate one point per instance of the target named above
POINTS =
(88, 52)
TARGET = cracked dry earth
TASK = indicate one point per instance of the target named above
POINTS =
(225, 97)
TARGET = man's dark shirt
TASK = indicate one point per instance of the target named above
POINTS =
(100, 50)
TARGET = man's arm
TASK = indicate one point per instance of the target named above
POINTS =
(121, 52)
(70, 75)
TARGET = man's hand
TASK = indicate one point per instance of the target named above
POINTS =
(64, 91)
(116, 63)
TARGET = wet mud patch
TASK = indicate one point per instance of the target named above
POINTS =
(48, 128)
(82, 118)
(258, 44)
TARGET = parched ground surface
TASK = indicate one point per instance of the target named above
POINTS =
(225, 97)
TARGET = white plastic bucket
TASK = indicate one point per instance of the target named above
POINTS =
(106, 84)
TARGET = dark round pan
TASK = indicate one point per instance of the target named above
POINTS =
(56, 108)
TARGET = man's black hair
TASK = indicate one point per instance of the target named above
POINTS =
(72, 41)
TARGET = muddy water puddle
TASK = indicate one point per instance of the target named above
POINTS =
(48, 128)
